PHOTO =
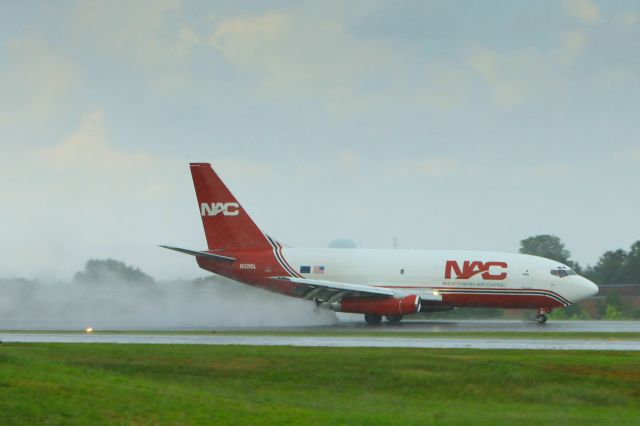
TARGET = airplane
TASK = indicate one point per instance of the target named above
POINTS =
(390, 283)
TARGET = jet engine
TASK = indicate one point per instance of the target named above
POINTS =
(380, 306)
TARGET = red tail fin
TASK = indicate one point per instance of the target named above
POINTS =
(226, 224)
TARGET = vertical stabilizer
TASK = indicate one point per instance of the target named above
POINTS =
(226, 224)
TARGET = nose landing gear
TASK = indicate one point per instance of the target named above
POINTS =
(541, 316)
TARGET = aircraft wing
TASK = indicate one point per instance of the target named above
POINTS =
(324, 290)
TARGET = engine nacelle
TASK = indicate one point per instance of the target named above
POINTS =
(381, 306)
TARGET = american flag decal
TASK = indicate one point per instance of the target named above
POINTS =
(318, 269)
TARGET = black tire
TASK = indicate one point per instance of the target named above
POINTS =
(541, 319)
(373, 319)
(394, 319)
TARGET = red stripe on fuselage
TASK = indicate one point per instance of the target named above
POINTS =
(507, 301)
(483, 297)
(277, 250)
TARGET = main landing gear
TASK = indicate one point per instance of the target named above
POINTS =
(394, 319)
(541, 316)
(375, 319)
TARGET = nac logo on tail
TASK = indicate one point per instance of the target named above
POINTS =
(213, 209)
(489, 270)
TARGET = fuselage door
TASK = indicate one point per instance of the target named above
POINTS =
(526, 278)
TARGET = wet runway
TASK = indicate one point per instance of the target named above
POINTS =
(450, 326)
(428, 337)
(325, 341)
(353, 324)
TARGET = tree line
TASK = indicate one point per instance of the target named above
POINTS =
(613, 267)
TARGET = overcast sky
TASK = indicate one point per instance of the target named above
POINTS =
(446, 124)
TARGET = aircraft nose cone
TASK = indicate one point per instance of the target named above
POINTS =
(586, 289)
(591, 288)
(581, 288)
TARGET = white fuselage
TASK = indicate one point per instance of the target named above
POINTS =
(425, 271)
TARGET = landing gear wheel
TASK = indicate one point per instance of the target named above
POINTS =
(394, 319)
(373, 319)
(541, 319)
(541, 316)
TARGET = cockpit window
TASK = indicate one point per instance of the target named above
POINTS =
(562, 272)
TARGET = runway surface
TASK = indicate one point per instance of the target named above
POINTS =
(358, 325)
(450, 326)
(427, 339)
(324, 341)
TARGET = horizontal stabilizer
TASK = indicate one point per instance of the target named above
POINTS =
(204, 254)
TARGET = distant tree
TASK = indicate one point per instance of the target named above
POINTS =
(631, 269)
(106, 271)
(609, 269)
(548, 246)
(617, 267)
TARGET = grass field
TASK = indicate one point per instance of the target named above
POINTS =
(184, 384)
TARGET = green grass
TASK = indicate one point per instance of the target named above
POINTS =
(184, 384)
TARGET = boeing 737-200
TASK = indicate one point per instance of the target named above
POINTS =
(376, 283)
